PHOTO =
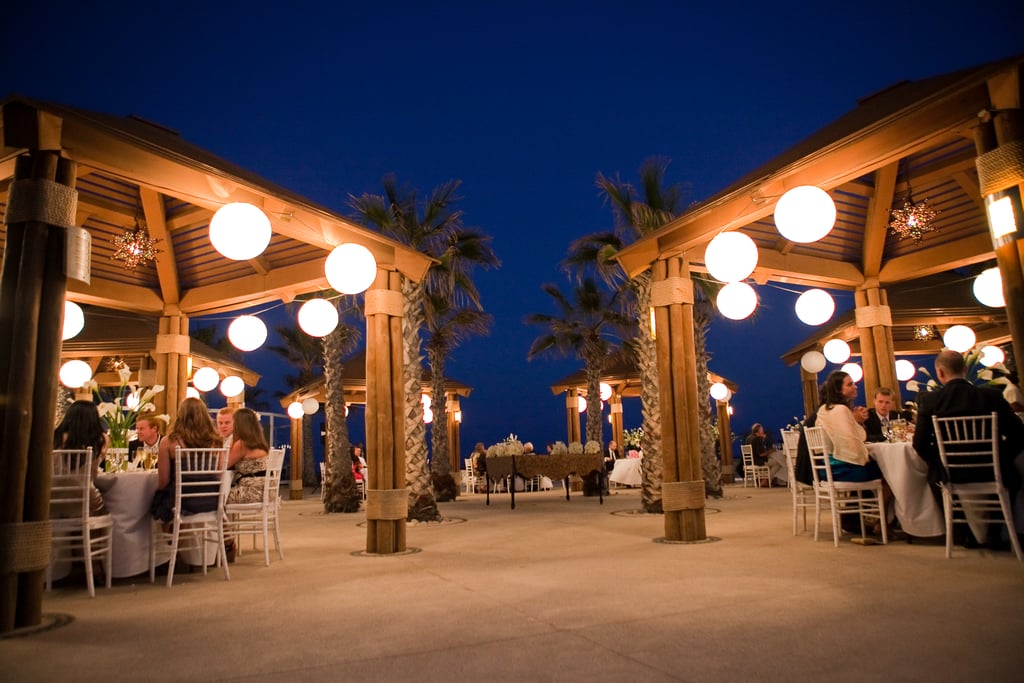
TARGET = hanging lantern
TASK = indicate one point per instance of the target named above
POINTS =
(310, 406)
(959, 338)
(75, 373)
(426, 401)
(581, 404)
(990, 355)
(74, 320)
(836, 351)
(905, 370)
(805, 214)
(191, 392)
(295, 411)
(428, 416)
(813, 361)
(205, 379)
(719, 391)
(854, 371)
(606, 391)
(240, 231)
(350, 268)
(318, 317)
(247, 333)
(815, 307)
(737, 300)
(458, 416)
(232, 386)
(731, 256)
(988, 288)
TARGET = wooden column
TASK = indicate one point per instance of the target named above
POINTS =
(809, 384)
(173, 346)
(725, 441)
(615, 408)
(874, 323)
(682, 484)
(454, 445)
(572, 416)
(41, 202)
(295, 460)
(386, 496)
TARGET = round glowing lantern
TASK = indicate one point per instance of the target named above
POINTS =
(74, 320)
(350, 268)
(232, 386)
(426, 401)
(815, 307)
(428, 416)
(737, 300)
(205, 379)
(318, 317)
(805, 214)
(581, 404)
(606, 391)
(854, 371)
(240, 231)
(295, 411)
(836, 351)
(905, 370)
(247, 332)
(988, 288)
(191, 392)
(959, 338)
(75, 373)
(731, 256)
(719, 391)
(813, 361)
(310, 406)
(990, 355)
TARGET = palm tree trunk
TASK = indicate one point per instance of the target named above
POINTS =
(711, 466)
(647, 360)
(339, 485)
(440, 462)
(422, 506)
(594, 366)
(308, 471)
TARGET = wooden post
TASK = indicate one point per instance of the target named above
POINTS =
(725, 441)
(615, 406)
(683, 483)
(295, 461)
(572, 416)
(874, 323)
(809, 384)
(454, 446)
(386, 496)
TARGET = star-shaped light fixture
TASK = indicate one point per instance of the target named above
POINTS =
(924, 333)
(913, 219)
(135, 247)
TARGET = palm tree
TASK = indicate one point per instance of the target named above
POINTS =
(339, 484)
(447, 326)
(304, 354)
(588, 326)
(637, 214)
(435, 228)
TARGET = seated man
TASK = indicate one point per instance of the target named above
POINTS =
(766, 453)
(877, 423)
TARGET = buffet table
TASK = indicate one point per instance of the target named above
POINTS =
(907, 476)
(553, 466)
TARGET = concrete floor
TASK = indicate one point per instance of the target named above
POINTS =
(553, 590)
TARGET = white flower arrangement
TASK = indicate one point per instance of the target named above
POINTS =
(631, 438)
(558, 448)
(127, 407)
(514, 447)
(592, 448)
(797, 424)
(497, 449)
(575, 448)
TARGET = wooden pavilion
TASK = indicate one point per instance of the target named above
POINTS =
(957, 138)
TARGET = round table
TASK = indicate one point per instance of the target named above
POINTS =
(907, 475)
(627, 472)
(127, 496)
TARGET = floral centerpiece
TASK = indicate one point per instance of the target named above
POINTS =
(513, 446)
(631, 438)
(797, 423)
(128, 405)
(575, 448)
(592, 448)
(558, 448)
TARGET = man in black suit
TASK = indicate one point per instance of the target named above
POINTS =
(874, 425)
(958, 397)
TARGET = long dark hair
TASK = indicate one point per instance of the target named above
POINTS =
(832, 390)
(80, 428)
(193, 427)
(247, 430)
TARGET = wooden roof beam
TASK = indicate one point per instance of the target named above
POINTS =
(256, 289)
(964, 252)
(166, 264)
(877, 224)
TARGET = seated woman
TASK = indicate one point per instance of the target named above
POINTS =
(193, 428)
(82, 428)
(248, 457)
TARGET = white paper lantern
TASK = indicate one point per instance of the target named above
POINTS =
(805, 214)
(75, 373)
(913, 386)
(426, 401)
(205, 379)
(813, 361)
(959, 338)
(988, 288)
(905, 370)
(719, 391)
(310, 406)
(232, 386)
(247, 332)
(581, 404)
(731, 256)
(240, 231)
(295, 411)
(428, 416)
(737, 300)
(74, 320)
(191, 392)
(990, 355)
(350, 268)
(318, 317)
(815, 307)
(836, 351)
(606, 391)
(854, 371)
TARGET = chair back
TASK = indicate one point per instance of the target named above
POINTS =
(272, 480)
(71, 482)
(747, 452)
(201, 479)
(819, 454)
(969, 447)
(790, 441)
(469, 467)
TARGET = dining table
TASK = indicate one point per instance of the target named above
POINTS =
(127, 496)
(559, 466)
(907, 475)
(627, 472)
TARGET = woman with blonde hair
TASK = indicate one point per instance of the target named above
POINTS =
(192, 428)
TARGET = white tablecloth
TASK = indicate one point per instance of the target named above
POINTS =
(907, 475)
(128, 496)
(626, 472)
